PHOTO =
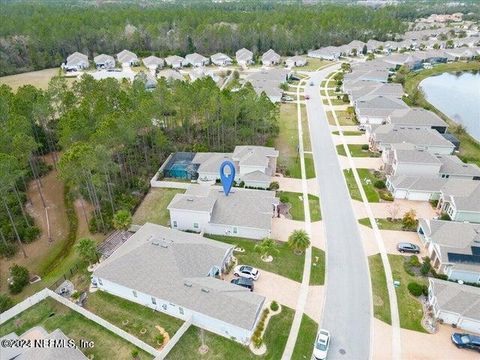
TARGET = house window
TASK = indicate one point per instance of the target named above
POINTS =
(164, 307)
(235, 230)
(100, 282)
(154, 301)
(195, 225)
(181, 311)
(134, 293)
(174, 223)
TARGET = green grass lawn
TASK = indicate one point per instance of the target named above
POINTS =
(352, 185)
(409, 308)
(294, 169)
(154, 207)
(317, 272)
(117, 310)
(220, 348)
(367, 178)
(348, 133)
(296, 202)
(285, 263)
(356, 151)
(314, 64)
(304, 345)
(52, 315)
(336, 101)
(469, 148)
(384, 224)
(344, 118)
(381, 301)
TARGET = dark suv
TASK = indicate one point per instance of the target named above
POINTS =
(466, 341)
(247, 283)
(408, 247)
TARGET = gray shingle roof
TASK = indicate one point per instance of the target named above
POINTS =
(243, 55)
(176, 269)
(456, 298)
(417, 183)
(126, 56)
(416, 156)
(452, 165)
(465, 194)
(417, 116)
(249, 155)
(210, 162)
(195, 58)
(390, 134)
(220, 57)
(103, 58)
(151, 61)
(270, 55)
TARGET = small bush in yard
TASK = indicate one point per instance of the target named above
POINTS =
(20, 278)
(425, 290)
(365, 147)
(415, 289)
(274, 306)
(284, 198)
(257, 341)
(379, 184)
(274, 185)
(426, 266)
(414, 261)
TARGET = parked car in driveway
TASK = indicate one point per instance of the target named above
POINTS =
(286, 98)
(408, 247)
(246, 271)
(245, 282)
(322, 344)
(466, 341)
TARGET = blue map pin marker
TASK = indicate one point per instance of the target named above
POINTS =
(227, 180)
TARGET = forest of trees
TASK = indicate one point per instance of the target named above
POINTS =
(112, 137)
(37, 36)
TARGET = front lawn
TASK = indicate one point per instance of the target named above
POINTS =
(349, 133)
(153, 208)
(317, 270)
(52, 315)
(296, 205)
(385, 224)
(294, 169)
(118, 311)
(352, 185)
(381, 301)
(220, 348)
(314, 64)
(409, 308)
(304, 345)
(285, 263)
(356, 150)
(344, 118)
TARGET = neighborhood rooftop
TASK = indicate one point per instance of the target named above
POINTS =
(457, 298)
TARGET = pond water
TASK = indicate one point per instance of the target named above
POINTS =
(457, 95)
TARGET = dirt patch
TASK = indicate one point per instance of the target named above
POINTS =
(377, 300)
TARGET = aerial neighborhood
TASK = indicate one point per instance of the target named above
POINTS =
(232, 180)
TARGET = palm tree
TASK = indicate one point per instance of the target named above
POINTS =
(299, 241)
(87, 250)
(267, 247)
(122, 220)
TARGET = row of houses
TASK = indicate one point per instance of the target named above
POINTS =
(419, 163)
(244, 57)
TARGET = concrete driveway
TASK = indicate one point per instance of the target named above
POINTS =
(383, 210)
(361, 162)
(359, 140)
(295, 185)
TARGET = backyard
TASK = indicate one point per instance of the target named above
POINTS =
(285, 263)
(52, 315)
(38, 79)
(153, 208)
(381, 301)
(295, 200)
(356, 150)
(220, 348)
(132, 317)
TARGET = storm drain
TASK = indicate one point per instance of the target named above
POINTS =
(342, 351)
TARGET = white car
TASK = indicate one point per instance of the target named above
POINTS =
(246, 271)
(322, 343)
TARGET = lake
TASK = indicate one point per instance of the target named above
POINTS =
(457, 96)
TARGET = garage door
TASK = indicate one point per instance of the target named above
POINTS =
(400, 194)
(470, 325)
(448, 318)
(418, 196)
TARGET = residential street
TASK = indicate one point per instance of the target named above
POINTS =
(348, 310)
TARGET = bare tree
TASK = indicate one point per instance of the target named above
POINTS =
(393, 210)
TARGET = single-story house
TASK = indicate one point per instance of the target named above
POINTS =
(326, 53)
(374, 45)
(461, 53)
(418, 118)
(128, 58)
(382, 138)
(453, 248)
(255, 165)
(76, 62)
(197, 60)
(220, 59)
(296, 61)
(175, 61)
(270, 58)
(368, 73)
(375, 109)
(416, 188)
(53, 352)
(179, 274)
(455, 304)
(358, 89)
(244, 57)
(268, 81)
(244, 212)
(104, 61)
(153, 63)
(354, 48)
(170, 75)
(460, 199)
(202, 72)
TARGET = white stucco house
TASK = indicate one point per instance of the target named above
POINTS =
(127, 58)
(455, 304)
(244, 57)
(270, 58)
(175, 61)
(375, 109)
(452, 247)
(244, 212)
(104, 61)
(179, 274)
(76, 62)
(296, 61)
(326, 53)
(220, 59)
(460, 199)
(197, 60)
(153, 63)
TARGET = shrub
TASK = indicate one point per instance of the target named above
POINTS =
(379, 184)
(5, 302)
(426, 266)
(345, 98)
(284, 198)
(415, 289)
(414, 261)
(425, 290)
(159, 338)
(441, 276)
(135, 354)
(385, 195)
(8, 249)
(257, 341)
(274, 306)
(257, 332)
(274, 185)
(365, 147)
(19, 280)
(409, 220)
(445, 217)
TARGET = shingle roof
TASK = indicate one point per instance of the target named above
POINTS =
(456, 298)
(248, 155)
(103, 58)
(417, 116)
(153, 61)
(210, 162)
(465, 194)
(126, 56)
(416, 156)
(243, 55)
(173, 266)
(417, 183)
(195, 58)
(452, 165)
(270, 55)
(390, 134)
(220, 57)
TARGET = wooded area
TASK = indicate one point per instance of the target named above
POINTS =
(113, 137)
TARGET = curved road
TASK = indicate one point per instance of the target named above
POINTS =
(347, 311)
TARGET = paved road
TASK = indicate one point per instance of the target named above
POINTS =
(347, 312)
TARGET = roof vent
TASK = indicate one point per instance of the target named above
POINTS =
(164, 245)
(205, 290)
(155, 242)
(187, 284)
(190, 199)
